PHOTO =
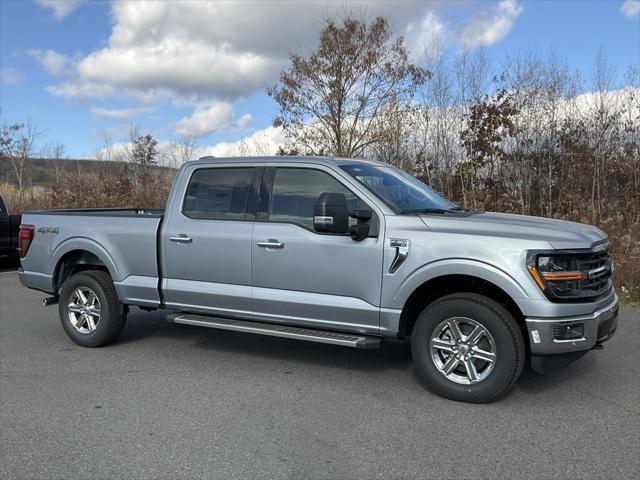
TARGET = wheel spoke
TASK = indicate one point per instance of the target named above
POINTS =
(81, 296)
(450, 365)
(75, 308)
(91, 323)
(454, 328)
(472, 373)
(80, 320)
(475, 336)
(441, 344)
(483, 355)
(91, 301)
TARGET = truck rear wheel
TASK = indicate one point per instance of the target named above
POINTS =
(90, 312)
(468, 347)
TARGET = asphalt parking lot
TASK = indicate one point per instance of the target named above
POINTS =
(174, 401)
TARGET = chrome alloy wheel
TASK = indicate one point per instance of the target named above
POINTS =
(463, 350)
(84, 310)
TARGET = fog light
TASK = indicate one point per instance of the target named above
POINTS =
(568, 331)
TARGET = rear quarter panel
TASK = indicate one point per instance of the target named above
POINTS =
(126, 245)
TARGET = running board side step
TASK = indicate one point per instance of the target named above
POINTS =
(274, 330)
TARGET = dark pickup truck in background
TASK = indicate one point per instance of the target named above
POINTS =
(9, 229)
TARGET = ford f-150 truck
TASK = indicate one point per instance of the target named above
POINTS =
(341, 251)
(9, 227)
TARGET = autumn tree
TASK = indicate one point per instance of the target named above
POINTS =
(330, 100)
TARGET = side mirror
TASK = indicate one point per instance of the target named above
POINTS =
(330, 213)
(361, 230)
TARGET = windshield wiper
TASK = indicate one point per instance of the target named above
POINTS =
(441, 211)
(425, 210)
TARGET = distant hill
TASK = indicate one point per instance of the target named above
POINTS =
(42, 170)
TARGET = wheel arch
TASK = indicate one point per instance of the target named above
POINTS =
(437, 287)
(78, 260)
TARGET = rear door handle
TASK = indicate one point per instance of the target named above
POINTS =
(182, 238)
(271, 243)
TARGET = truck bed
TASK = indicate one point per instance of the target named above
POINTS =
(124, 239)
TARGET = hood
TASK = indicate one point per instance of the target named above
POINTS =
(560, 234)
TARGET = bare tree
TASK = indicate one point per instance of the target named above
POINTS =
(330, 100)
(182, 150)
(54, 152)
(17, 143)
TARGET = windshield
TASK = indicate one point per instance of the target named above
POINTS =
(398, 189)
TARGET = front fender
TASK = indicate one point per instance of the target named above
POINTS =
(457, 266)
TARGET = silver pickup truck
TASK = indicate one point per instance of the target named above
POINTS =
(340, 251)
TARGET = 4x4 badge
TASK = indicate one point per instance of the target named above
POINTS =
(44, 230)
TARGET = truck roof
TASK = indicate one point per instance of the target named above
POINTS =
(289, 159)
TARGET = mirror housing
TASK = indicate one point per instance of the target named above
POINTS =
(330, 213)
(361, 230)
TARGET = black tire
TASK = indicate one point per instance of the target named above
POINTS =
(112, 318)
(507, 338)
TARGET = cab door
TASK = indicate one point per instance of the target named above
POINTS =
(206, 241)
(306, 278)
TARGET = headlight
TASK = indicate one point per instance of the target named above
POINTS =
(549, 269)
(559, 268)
(571, 275)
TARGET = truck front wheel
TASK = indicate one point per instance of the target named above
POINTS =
(468, 347)
(90, 312)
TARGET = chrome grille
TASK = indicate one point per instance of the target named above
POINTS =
(597, 269)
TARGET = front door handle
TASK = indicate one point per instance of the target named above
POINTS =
(182, 238)
(271, 243)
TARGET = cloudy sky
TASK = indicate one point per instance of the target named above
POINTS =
(78, 68)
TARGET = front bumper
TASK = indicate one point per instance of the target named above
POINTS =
(545, 333)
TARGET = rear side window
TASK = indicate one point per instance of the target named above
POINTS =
(218, 193)
(295, 191)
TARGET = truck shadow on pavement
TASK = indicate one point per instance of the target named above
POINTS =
(147, 326)
(143, 326)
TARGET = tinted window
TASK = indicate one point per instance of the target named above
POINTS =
(296, 190)
(218, 193)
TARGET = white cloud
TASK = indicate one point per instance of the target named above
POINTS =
(53, 62)
(261, 142)
(10, 76)
(426, 38)
(488, 28)
(182, 66)
(199, 50)
(81, 91)
(119, 113)
(631, 8)
(60, 8)
(204, 121)
(244, 121)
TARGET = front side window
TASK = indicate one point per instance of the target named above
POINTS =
(295, 191)
(218, 193)
(398, 189)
